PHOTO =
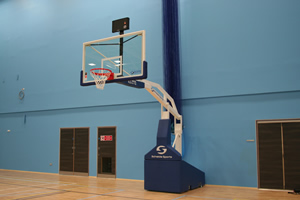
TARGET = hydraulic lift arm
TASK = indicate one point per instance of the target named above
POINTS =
(167, 106)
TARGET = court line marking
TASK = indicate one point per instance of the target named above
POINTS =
(206, 197)
(203, 197)
(29, 194)
(38, 181)
(25, 190)
(38, 194)
(48, 188)
(58, 184)
(101, 194)
(35, 196)
(99, 187)
(18, 187)
(25, 178)
(108, 195)
(179, 197)
(58, 191)
(209, 197)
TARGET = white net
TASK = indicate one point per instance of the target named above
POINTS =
(100, 76)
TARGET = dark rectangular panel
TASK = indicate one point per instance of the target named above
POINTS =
(81, 159)
(291, 142)
(106, 165)
(120, 25)
(270, 156)
(107, 149)
(66, 150)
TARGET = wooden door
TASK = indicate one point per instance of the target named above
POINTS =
(66, 150)
(270, 156)
(107, 151)
(291, 141)
(81, 151)
(74, 151)
(279, 155)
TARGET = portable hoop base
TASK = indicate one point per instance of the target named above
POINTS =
(165, 171)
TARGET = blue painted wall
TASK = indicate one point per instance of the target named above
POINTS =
(239, 47)
(216, 130)
(33, 144)
(240, 63)
(41, 50)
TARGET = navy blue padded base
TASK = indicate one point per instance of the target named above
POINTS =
(172, 176)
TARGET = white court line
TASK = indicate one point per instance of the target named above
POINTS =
(101, 195)
(179, 197)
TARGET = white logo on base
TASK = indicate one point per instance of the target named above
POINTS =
(161, 149)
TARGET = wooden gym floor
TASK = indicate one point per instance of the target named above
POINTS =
(43, 186)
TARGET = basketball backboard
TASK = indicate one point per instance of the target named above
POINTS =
(123, 55)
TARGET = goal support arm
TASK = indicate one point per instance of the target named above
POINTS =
(168, 107)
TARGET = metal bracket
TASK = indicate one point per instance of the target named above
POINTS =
(167, 106)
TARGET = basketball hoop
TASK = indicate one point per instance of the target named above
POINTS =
(100, 76)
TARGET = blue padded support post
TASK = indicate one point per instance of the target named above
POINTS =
(172, 77)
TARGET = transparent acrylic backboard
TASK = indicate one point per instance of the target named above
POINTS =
(123, 55)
